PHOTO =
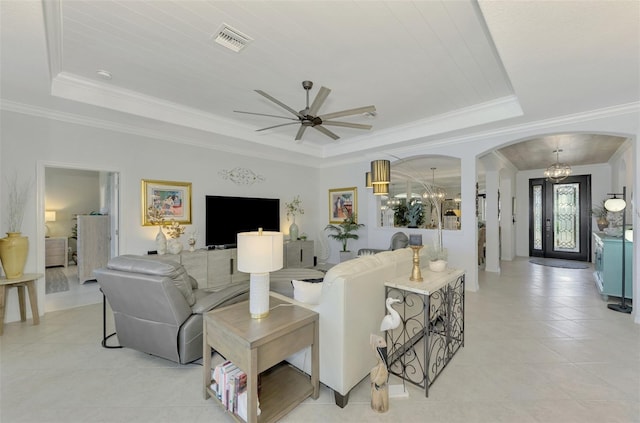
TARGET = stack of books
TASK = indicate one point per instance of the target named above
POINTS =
(230, 386)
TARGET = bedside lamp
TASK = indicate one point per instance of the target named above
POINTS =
(258, 254)
(49, 216)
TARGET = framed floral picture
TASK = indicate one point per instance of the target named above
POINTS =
(343, 202)
(172, 199)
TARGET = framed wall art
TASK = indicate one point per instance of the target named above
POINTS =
(173, 199)
(342, 203)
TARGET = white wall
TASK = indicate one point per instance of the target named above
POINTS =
(29, 143)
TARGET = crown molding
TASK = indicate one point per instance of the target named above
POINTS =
(538, 127)
(53, 30)
(75, 88)
(41, 112)
(488, 112)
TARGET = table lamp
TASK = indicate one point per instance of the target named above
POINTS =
(49, 216)
(258, 254)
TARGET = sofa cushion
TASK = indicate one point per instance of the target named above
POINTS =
(157, 267)
(307, 291)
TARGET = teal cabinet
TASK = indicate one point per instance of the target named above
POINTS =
(608, 265)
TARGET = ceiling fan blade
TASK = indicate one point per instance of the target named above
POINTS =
(356, 111)
(326, 132)
(264, 114)
(279, 103)
(277, 126)
(300, 132)
(346, 124)
(319, 100)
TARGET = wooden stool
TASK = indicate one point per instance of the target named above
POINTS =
(27, 280)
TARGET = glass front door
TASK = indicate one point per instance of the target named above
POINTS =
(559, 219)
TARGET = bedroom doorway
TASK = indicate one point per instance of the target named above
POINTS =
(73, 195)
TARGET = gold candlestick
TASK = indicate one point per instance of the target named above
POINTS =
(415, 273)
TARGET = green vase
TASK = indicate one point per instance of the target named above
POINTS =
(293, 231)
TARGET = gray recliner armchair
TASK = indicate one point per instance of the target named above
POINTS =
(398, 240)
(157, 307)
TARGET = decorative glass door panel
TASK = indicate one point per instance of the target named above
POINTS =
(566, 212)
(559, 222)
(537, 217)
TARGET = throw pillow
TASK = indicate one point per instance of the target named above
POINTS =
(307, 290)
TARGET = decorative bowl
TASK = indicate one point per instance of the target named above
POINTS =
(437, 265)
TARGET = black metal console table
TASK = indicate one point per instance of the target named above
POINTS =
(431, 330)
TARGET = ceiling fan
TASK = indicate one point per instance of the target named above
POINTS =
(309, 115)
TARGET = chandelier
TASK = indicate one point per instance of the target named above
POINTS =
(557, 171)
(435, 193)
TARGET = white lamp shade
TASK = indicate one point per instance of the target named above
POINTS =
(260, 252)
(615, 204)
(50, 216)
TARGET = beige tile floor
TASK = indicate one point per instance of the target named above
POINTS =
(541, 346)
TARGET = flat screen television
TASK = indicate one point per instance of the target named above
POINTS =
(226, 216)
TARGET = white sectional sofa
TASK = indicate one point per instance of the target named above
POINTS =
(351, 307)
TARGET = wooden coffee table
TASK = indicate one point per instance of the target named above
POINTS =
(255, 345)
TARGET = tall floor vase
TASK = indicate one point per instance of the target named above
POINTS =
(13, 254)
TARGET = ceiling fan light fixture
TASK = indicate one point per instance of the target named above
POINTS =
(309, 115)
(557, 171)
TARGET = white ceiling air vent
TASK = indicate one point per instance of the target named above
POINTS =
(231, 38)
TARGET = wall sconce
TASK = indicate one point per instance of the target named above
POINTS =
(258, 254)
(616, 204)
(380, 172)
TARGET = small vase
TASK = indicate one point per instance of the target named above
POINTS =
(13, 254)
(174, 246)
(161, 242)
(437, 265)
(293, 231)
(602, 223)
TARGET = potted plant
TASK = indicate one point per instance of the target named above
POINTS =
(600, 213)
(14, 248)
(345, 231)
(294, 208)
(400, 215)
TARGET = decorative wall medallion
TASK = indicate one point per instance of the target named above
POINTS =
(241, 176)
